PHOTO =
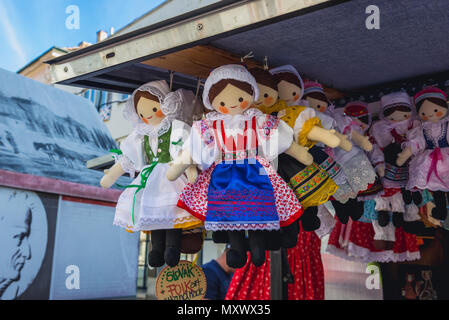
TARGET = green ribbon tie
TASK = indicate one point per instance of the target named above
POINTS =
(117, 151)
(179, 142)
(144, 175)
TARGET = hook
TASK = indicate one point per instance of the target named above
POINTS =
(172, 73)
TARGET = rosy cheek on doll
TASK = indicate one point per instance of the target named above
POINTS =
(223, 109)
(159, 114)
(268, 101)
(244, 104)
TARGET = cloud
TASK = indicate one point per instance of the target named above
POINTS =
(11, 36)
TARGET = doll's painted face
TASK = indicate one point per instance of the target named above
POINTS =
(398, 116)
(149, 111)
(432, 112)
(317, 104)
(288, 91)
(232, 100)
(267, 96)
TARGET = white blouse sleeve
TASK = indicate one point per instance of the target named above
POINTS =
(415, 140)
(179, 134)
(132, 158)
(305, 115)
(327, 122)
(274, 136)
(202, 144)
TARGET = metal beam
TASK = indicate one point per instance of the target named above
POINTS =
(236, 17)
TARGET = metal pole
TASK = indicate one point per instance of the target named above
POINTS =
(276, 275)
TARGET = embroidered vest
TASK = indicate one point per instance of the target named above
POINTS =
(163, 151)
(442, 141)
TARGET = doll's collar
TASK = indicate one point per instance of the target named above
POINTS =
(153, 131)
(247, 114)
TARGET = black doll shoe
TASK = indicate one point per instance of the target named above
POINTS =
(235, 259)
(398, 219)
(172, 256)
(341, 212)
(155, 259)
(272, 240)
(355, 209)
(289, 235)
(257, 247)
(417, 198)
(439, 212)
(406, 196)
(383, 218)
(310, 220)
(413, 227)
(220, 237)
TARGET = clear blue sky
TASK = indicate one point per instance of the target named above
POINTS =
(30, 27)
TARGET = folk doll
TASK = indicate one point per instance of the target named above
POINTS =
(358, 171)
(239, 190)
(429, 144)
(150, 202)
(364, 240)
(312, 184)
(390, 133)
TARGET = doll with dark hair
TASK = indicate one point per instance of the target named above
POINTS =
(356, 167)
(149, 204)
(312, 184)
(390, 134)
(239, 191)
(428, 143)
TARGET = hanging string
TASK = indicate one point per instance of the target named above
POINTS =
(172, 73)
(265, 63)
(247, 56)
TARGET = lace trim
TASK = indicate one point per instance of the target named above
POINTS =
(360, 254)
(247, 115)
(359, 173)
(126, 164)
(217, 226)
(327, 222)
(154, 131)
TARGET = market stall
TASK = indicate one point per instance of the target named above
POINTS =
(333, 42)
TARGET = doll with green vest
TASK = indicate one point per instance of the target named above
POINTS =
(149, 202)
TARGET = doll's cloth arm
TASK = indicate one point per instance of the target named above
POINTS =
(302, 120)
(274, 136)
(376, 155)
(415, 140)
(132, 158)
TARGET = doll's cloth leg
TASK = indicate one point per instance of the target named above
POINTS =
(383, 218)
(412, 219)
(406, 195)
(173, 246)
(272, 240)
(236, 256)
(340, 212)
(310, 220)
(417, 197)
(440, 210)
(220, 237)
(156, 255)
(257, 247)
(289, 235)
(355, 209)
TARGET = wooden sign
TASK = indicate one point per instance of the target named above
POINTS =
(185, 281)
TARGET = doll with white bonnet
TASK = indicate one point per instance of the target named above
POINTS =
(390, 133)
(239, 191)
(150, 202)
(428, 143)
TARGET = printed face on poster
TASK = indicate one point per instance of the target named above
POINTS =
(23, 238)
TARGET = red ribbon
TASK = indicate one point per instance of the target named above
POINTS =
(436, 156)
